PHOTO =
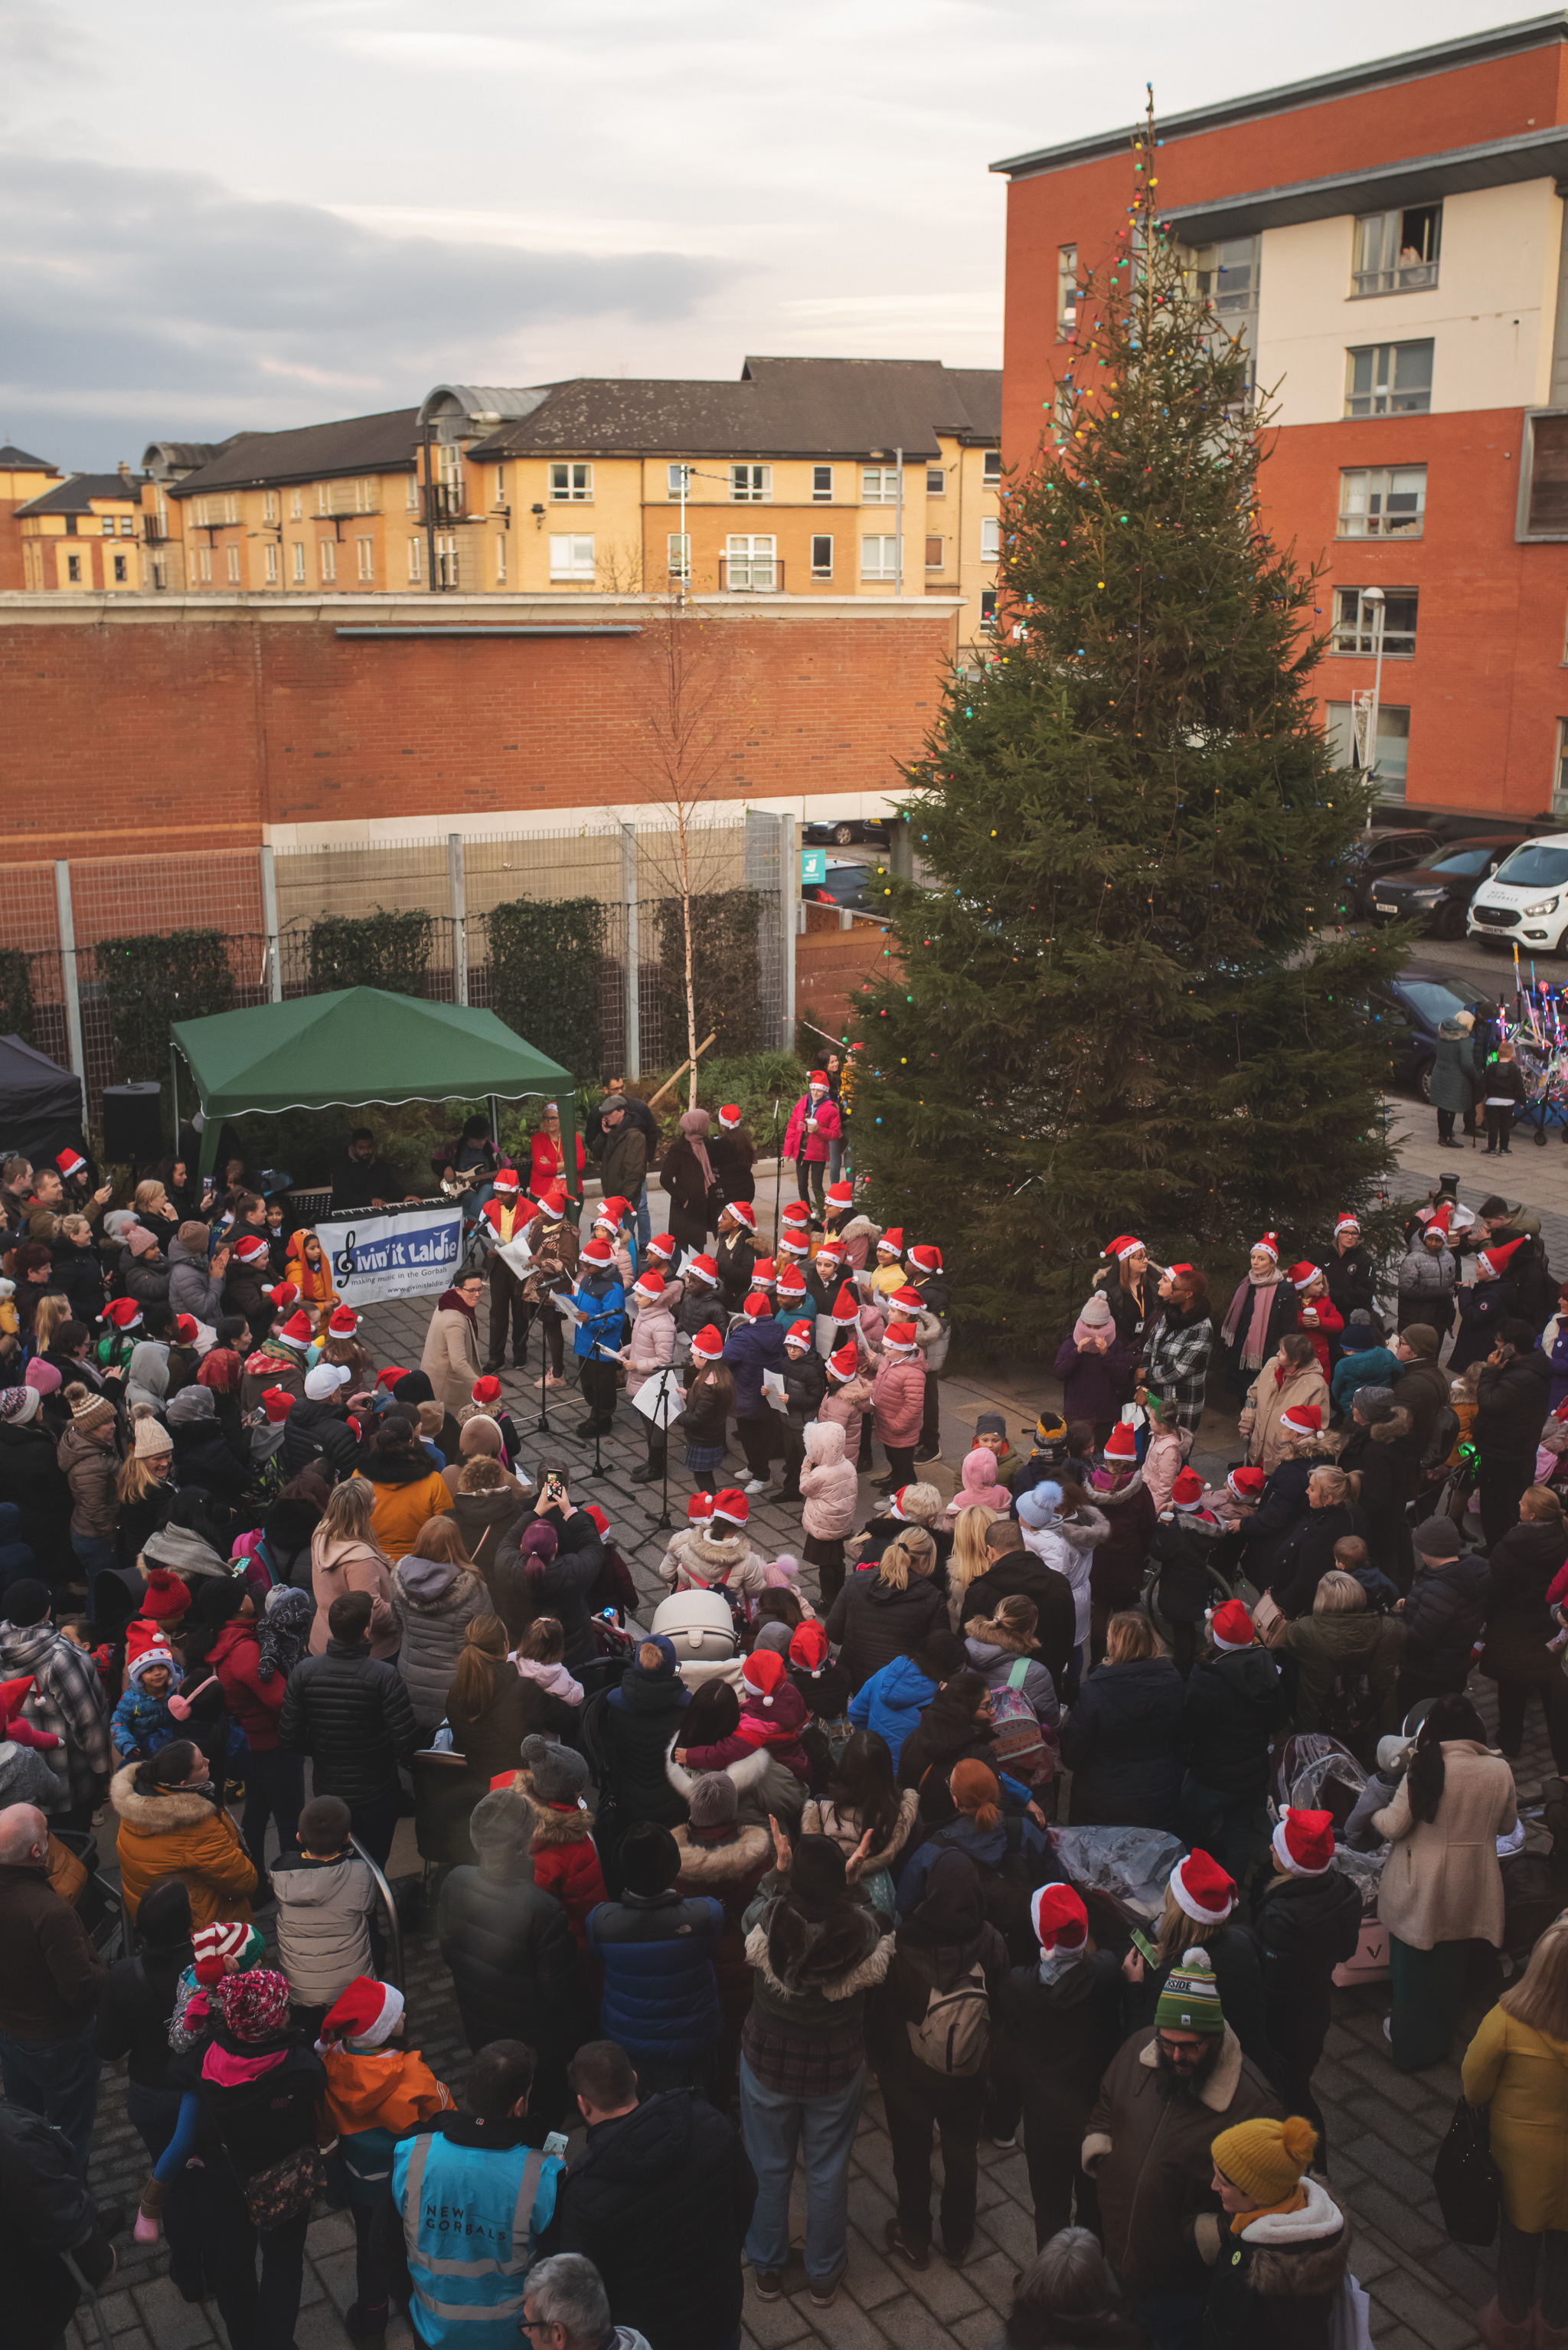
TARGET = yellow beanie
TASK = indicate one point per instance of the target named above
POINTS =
(1266, 2160)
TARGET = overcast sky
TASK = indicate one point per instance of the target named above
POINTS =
(267, 213)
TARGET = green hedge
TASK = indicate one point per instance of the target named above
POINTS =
(726, 969)
(546, 963)
(19, 1013)
(151, 981)
(376, 950)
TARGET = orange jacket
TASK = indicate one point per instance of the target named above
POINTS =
(180, 1834)
(399, 1512)
(379, 2088)
(314, 1282)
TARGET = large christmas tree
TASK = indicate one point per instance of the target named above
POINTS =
(1112, 1012)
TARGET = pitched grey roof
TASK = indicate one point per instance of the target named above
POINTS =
(17, 461)
(77, 492)
(353, 444)
(779, 407)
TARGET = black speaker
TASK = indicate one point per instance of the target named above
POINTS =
(134, 1124)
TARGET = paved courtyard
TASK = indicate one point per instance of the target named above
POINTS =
(1384, 2126)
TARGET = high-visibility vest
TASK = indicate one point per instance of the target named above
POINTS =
(471, 2217)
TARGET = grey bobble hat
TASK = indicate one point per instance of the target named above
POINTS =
(713, 1800)
(1374, 1405)
(559, 1773)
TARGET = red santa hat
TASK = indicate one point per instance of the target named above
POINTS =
(297, 1331)
(744, 1214)
(899, 1339)
(1302, 1419)
(702, 1268)
(186, 1327)
(819, 1078)
(285, 1295)
(729, 1116)
(252, 1249)
(1187, 1491)
(925, 1258)
(486, 1391)
(732, 1506)
(799, 1334)
(600, 1523)
(663, 1246)
(1345, 1222)
(907, 1300)
(342, 1322)
(390, 1377)
(278, 1403)
(892, 1241)
(1304, 1841)
(846, 1304)
(764, 1273)
(896, 1508)
(831, 1252)
(1268, 1246)
(758, 1306)
(1202, 1890)
(648, 1287)
(1496, 1259)
(796, 1212)
(1232, 1628)
(839, 1195)
(707, 1346)
(70, 1163)
(794, 1244)
(506, 1180)
(1303, 1275)
(612, 1213)
(1438, 1221)
(598, 1252)
(124, 1313)
(763, 1671)
(367, 2011)
(1247, 1484)
(1121, 1444)
(1123, 1245)
(553, 1201)
(844, 1363)
(791, 1283)
(808, 1648)
(1059, 1918)
(700, 1508)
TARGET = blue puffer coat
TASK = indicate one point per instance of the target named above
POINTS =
(892, 1702)
(751, 1349)
(602, 1298)
(661, 1996)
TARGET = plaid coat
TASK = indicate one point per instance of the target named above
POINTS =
(66, 1698)
(1179, 1355)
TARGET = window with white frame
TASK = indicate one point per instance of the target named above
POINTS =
(207, 566)
(571, 483)
(751, 564)
(989, 538)
(1388, 379)
(328, 550)
(270, 564)
(822, 556)
(1396, 251)
(880, 486)
(416, 561)
(1066, 291)
(411, 495)
(991, 469)
(879, 558)
(449, 464)
(106, 527)
(935, 482)
(501, 485)
(1382, 501)
(234, 567)
(572, 555)
(1355, 622)
(750, 484)
(446, 560)
(296, 505)
(678, 554)
(323, 498)
(988, 608)
(678, 476)
(365, 551)
(298, 563)
(936, 553)
(128, 526)
(501, 561)
(1345, 728)
(269, 506)
(822, 486)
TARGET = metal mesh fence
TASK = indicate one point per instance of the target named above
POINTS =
(628, 873)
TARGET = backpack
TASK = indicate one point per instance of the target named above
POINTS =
(953, 2036)
(1005, 1889)
(1022, 1746)
(1444, 1437)
(1351, 1714)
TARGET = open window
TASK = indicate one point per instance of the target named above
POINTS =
(1396, 251)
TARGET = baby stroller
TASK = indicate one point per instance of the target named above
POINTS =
(1315, 1773)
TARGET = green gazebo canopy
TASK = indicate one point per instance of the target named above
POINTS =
(357, 1046)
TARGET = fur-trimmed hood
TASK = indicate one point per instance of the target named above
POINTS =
(1119, 1499)
(750, 1773)
(712, 1558)
(856, 1227)
(829, 1958)
(812, 1824)
(1297, 2255)
(705, 1866)
(182, 1807)
(1389, 1431)
(552, 1826)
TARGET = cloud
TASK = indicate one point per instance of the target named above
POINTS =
(138, 303)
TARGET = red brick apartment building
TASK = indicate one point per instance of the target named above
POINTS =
(1391, 241)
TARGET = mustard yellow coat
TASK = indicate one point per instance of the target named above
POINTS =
(1523, 2077)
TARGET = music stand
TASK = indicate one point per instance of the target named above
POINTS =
(661, 1402)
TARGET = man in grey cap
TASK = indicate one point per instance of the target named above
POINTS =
(1382, 1445)
(1423, 1386)
(1443, 1611)
(623, 1153)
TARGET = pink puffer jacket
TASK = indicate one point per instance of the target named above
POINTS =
(829, 1486)
(977, 1484)
(848, 1405)
(898, 1399)
(652, 1344)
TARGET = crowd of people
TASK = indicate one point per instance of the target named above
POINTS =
(710, 1869)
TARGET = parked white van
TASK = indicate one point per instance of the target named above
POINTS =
(1526, 897)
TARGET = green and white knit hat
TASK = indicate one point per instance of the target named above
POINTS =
(1191, 2000)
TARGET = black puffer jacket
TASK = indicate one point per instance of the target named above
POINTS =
(1351, 1285)
(1519, 1624)
(1234, 1706)
(1119, 1743)
(31, 1477)
(132, 2018)
(1058, 2038)
(638, 1727)
(1388, 1460)
(1306, 1555)
(1020, 1571)
(1304, 1928)
(875, 1623)
(513, 1962)
(205, 1459)
(660, 2200)
(1512, 1407)
(45, 2211)
(317, 1435)
(145, 1278)
(350, 1712)
(1444, 1610)
(1264, 1535)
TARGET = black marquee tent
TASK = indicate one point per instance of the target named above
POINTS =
(40, 1104)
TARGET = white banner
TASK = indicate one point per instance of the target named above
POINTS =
(376, 1256)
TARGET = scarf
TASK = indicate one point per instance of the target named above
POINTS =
(1241, 2221)
(695, 1125)
(1255, 1340)
(1055, 1964)
(450, 1302)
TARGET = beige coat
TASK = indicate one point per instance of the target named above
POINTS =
(1442, 1882)
(1267, 1441)
(451, 1358)
(339, 1567)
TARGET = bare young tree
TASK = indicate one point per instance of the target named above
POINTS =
(689, 745)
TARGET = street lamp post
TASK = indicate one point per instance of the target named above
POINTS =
(1375, 596)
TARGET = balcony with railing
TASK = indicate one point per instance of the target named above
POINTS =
(443, 502)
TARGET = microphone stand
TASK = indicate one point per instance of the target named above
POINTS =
(661, 1522)
(778, 1173)
(599, 1469)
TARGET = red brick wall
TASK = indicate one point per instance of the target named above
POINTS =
(831, 967)
(124, 735)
